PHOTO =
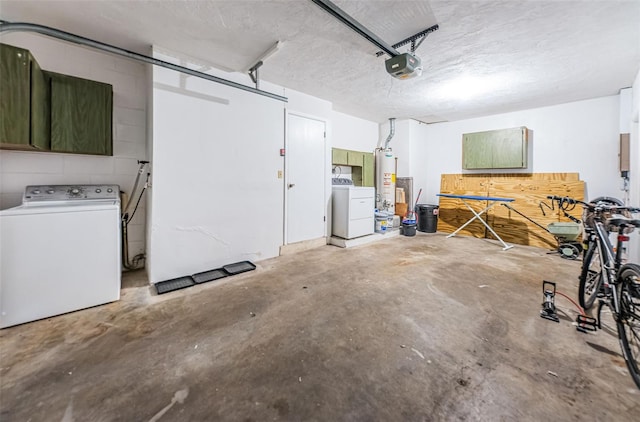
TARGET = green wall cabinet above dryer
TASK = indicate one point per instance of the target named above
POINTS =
(362, 165)
(368, 170)
(24, 101)
(81, 115)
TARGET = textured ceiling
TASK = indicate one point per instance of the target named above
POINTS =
(487, 57)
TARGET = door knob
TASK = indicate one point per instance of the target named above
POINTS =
(291, 185)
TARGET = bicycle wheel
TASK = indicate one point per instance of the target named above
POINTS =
(628, 320)
(590, 276)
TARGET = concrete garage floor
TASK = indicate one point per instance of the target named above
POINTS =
(421, 329)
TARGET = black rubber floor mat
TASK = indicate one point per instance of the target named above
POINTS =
(239, 267)
(174, 284)
(211, 275)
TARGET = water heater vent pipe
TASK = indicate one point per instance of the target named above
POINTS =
(392, 131)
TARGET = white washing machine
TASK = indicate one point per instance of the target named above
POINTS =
(353, 209)
(59, 252)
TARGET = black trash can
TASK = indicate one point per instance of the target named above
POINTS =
(427, 218)
(409, 229)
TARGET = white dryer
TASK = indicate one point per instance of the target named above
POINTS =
(59, 252)
(353, 209)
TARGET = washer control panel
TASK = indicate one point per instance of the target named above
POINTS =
(46, 193)
(339, 181)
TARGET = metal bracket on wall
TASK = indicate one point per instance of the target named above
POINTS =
(87, 42)
(253, 74)
(253, 70)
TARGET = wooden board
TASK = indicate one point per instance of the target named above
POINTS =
(453, 212)
(528, 190)
(528, 195)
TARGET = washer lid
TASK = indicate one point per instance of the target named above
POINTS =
(62, 207)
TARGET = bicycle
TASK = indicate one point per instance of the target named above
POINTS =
(590, 276)
(604, 276)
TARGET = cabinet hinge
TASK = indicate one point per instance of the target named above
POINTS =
(324, 218)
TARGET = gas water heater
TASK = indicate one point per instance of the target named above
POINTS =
(385, 180)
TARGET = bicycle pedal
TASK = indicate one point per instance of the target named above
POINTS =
(586, 323)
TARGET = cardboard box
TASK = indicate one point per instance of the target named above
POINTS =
(401, 209)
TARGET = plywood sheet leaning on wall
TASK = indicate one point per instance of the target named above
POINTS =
(453, 213)
(528, 190)
(529, 193)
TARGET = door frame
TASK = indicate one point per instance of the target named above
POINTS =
(285, 234)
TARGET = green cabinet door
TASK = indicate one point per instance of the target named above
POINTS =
(40, 113)
(81, 115)
(368, 175)
(510, 149)
(477, 152)
(14, 95)
(354, 158)
(339, 157)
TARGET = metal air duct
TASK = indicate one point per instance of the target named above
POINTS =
(392, 131)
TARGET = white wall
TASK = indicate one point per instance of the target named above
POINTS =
(216, 197)
(578, 137)
(354, 133)
(634, 173)
(19, 169)
(418, 162)
(305, 105)
(626, 109)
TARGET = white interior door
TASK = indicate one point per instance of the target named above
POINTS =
(305, 179)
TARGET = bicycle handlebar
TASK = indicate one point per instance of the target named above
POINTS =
(598, 207)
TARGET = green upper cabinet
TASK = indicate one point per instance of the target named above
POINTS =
(496, 149)
(339, 157)
(477, 152)
(81, 115)
(362, 165)
(368, 178)
(49, 111)
(15, 100)
(40, 115)
(24, 100)
(354, 158)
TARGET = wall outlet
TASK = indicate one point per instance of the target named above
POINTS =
(279, 174)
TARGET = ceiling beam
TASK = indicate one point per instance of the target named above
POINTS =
(87, 42)
(346, 19)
